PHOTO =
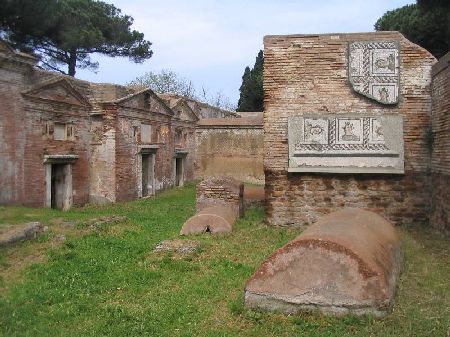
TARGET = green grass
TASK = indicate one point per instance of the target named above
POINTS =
(108, 282)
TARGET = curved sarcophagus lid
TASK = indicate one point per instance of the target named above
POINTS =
(347, 262)
(216, 219)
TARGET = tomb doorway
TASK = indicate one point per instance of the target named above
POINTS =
(179, 171)
(61, 186)
(148, 174)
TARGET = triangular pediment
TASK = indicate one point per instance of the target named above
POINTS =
(58, 90)
(145, 100)
(184, 112)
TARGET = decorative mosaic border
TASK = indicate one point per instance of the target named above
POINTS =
(367, 76)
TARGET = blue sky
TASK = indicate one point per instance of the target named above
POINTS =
(211, 42)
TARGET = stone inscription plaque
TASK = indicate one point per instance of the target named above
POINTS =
(374, 70)
(346, 143)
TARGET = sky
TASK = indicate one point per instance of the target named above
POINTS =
(211, 42)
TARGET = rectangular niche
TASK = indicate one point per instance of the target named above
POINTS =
(346, 143)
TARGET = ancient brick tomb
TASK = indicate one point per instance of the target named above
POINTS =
(219, 204)
(347, 262)
(346, 124)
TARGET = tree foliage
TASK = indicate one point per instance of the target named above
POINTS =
(218, 100)
(251, 90)
(168, 81)
(63, 33)
(426, 23)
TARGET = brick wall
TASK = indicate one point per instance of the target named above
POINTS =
(220, 191)
(440, 158)
(37, 146)
(308, 74)
(12, 135)
(22, 142)
(232, 147)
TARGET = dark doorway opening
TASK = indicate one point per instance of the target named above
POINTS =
(148, 174)
(58, 186)
(179, 172)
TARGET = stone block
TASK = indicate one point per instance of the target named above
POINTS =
(11, 234)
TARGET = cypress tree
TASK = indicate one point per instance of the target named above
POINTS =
(251, 91)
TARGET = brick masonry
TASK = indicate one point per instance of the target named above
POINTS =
(308, 74)
(440, 157)
(102, 124)
(220, 191)
(25, 109)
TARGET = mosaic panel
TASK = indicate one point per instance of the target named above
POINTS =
(346, 143)
(374, 70)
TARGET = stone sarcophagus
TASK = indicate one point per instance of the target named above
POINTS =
(346, 143)
(347, 262)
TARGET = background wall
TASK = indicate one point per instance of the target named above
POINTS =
(230, 146)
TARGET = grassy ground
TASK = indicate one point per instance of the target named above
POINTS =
(106, 281)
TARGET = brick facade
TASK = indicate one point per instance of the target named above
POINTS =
(32, 103)
(308, 74)
(55, 129)
(440, 157)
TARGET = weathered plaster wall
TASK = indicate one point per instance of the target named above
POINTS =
(188, 146)
(308, 74)
(440, 158)
(230, 147)
(102, 165)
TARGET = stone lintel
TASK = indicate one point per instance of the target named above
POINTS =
(60, 158)
(147, 149)
(181, 153)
